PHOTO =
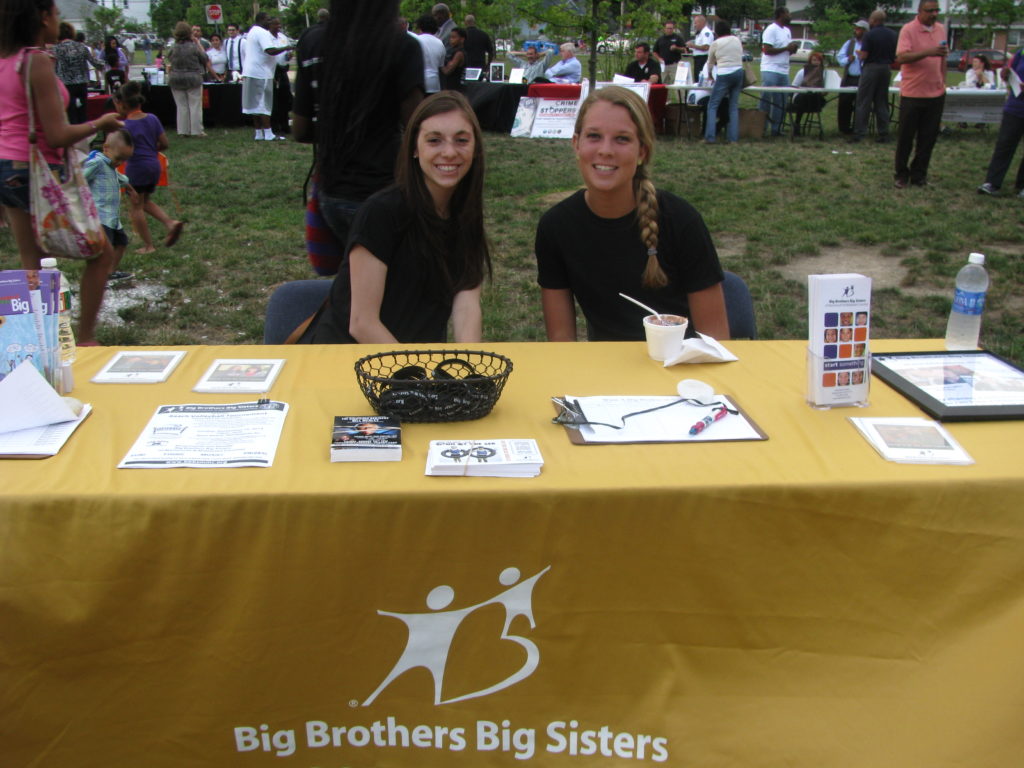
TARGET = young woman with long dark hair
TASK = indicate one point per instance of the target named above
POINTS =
(417, 254)
(621, 234)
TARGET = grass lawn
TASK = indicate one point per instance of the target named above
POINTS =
(778, 210)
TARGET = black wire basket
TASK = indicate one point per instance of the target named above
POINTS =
(433, 385)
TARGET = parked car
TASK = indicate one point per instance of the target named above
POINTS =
(541, 46)
(803, 53)
(996, 59)
(953, 59)
(614, 43)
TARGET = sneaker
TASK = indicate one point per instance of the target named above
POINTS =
(117, 277)
(987, 189)
(900, 183)
(258, 136)
(1021, 194)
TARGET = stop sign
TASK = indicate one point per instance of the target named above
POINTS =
(213, 14)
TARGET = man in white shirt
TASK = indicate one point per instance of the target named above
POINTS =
(233, 53)
(776, 46)
(433, 52)
(258, 67)
(567, 70)
(702, 40)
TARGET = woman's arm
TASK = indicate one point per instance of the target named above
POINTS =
(368, 275)
(559, 314)
(454, 64)
(50, 108)
(707, 312)
(161, 142)
(467, 318)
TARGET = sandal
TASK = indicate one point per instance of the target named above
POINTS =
(174, 233)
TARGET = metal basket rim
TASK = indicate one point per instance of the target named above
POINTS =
(449, 353)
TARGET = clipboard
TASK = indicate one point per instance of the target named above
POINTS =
(752, 433)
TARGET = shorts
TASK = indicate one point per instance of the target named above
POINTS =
(14, 183)
(145, 189)
(116, 237)
(257, 96)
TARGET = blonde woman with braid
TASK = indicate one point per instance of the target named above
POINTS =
(620, 234)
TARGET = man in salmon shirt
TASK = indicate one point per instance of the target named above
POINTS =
(921, 53)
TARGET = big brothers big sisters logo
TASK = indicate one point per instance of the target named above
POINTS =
(431, 634)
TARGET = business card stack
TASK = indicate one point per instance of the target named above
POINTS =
(484, 458)
(839, 322)
(366, 438)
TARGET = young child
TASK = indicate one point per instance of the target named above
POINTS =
(105, 183)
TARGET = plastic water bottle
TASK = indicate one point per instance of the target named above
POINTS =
(968, 304)
(65, 335)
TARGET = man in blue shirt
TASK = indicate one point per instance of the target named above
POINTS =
(568, 70)
(850, 62)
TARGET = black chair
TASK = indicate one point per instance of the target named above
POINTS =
(290, 304)
(739, 306)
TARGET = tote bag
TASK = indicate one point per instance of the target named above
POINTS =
(64, 214)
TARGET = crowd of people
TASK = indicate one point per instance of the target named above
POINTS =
(400, 159)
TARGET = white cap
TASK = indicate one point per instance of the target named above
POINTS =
(976, 258)
(48, 262)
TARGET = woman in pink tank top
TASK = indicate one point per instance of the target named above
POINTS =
(26, 27)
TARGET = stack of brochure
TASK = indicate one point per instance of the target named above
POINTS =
(28, 322)
(484, 458)
(366, 438)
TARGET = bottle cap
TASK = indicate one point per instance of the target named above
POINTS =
(48, 262)
(976, 258)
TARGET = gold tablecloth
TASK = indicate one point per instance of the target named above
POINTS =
(797, 601)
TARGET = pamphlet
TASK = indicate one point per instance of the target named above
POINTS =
(208, 436)
(839, 321)
(40, 442)
(912, 440)
(366, 438)
(249, 376)
(27, 400)
(129, 367)
(28, 321)
(484, 458)
(525, 112)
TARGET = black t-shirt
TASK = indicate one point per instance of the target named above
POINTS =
(880, 45)
(478, 47)
(643, 72)
(413, 308)
(662, 47)
(453, 80)
(373, 167)
(598, 258)
(308, 52)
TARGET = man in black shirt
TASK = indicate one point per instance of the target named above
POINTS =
(479, 48)
(643, 68)
(877, 53)
(668, 49)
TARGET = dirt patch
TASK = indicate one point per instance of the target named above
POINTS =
(884, 271)
(127, 295)
(556, 197)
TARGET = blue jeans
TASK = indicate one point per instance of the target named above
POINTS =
(774, 103)
(728, 87)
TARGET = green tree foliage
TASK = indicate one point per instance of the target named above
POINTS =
(834, 26)
(104, 21)
(167, 13)
(989, 16)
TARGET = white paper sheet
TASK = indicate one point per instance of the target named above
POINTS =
(27, 400)
(209, 436)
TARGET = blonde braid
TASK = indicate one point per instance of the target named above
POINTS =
(647, 217)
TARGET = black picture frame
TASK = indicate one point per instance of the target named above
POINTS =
(968, 379)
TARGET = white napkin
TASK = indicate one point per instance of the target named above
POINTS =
(27, 400)
(701, 349)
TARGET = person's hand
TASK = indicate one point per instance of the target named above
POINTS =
(793, 47)
(109, 122)
(132, 194)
